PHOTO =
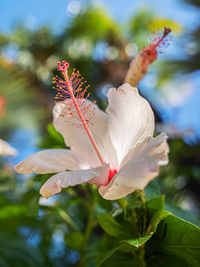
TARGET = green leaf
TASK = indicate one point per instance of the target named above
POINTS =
(152, 190)
(137, 242)
(74, 240)
(156, 211)
(177, 242)
(157, 203)
(104, 256)
(157, 217)
(133, 201)
(110, 225)
(185, 215)
(54, 134)
(123, 202)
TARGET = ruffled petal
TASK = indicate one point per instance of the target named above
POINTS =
(101, 179)
(49, 161)
(140, 170)
(150, 146)
(131, 119)
(77, 139)
(6, 149)
(64, 179)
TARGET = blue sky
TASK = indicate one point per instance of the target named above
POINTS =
(54, 13)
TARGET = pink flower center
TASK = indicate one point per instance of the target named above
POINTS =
(111, 174)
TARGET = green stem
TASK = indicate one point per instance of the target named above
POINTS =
(123, 204)
(138, 254)
(140, 257)
(125, 213)
(88, 230)
(142, 198)
(134, 221)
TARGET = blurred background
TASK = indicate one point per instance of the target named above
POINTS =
(99, 38)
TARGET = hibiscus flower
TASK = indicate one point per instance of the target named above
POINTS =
(116, 152)
(6, 149)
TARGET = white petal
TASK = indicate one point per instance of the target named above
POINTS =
(133, 152)
(103, 178)
(71, 178)
(140, 170)
(110, 152)
(131, 118)
(6, 149)
(114, 191)
(77, 139)
(49, 161)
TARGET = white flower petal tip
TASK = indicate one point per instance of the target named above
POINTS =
(48, 161)
(6, 149)
(71, 178)
(12, 152)
(52, 189)
(126, 86)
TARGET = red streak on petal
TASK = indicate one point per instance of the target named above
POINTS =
(111, 174)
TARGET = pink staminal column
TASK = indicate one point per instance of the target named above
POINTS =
(72, 86)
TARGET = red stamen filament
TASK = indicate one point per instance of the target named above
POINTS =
(165, 33)
(65, 74)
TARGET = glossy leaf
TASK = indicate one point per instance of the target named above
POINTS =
(176, 243)
(156, 203)
(110, 225)
(137, 242)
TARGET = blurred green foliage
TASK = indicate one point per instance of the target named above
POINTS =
(20, 106)
(145, 23)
